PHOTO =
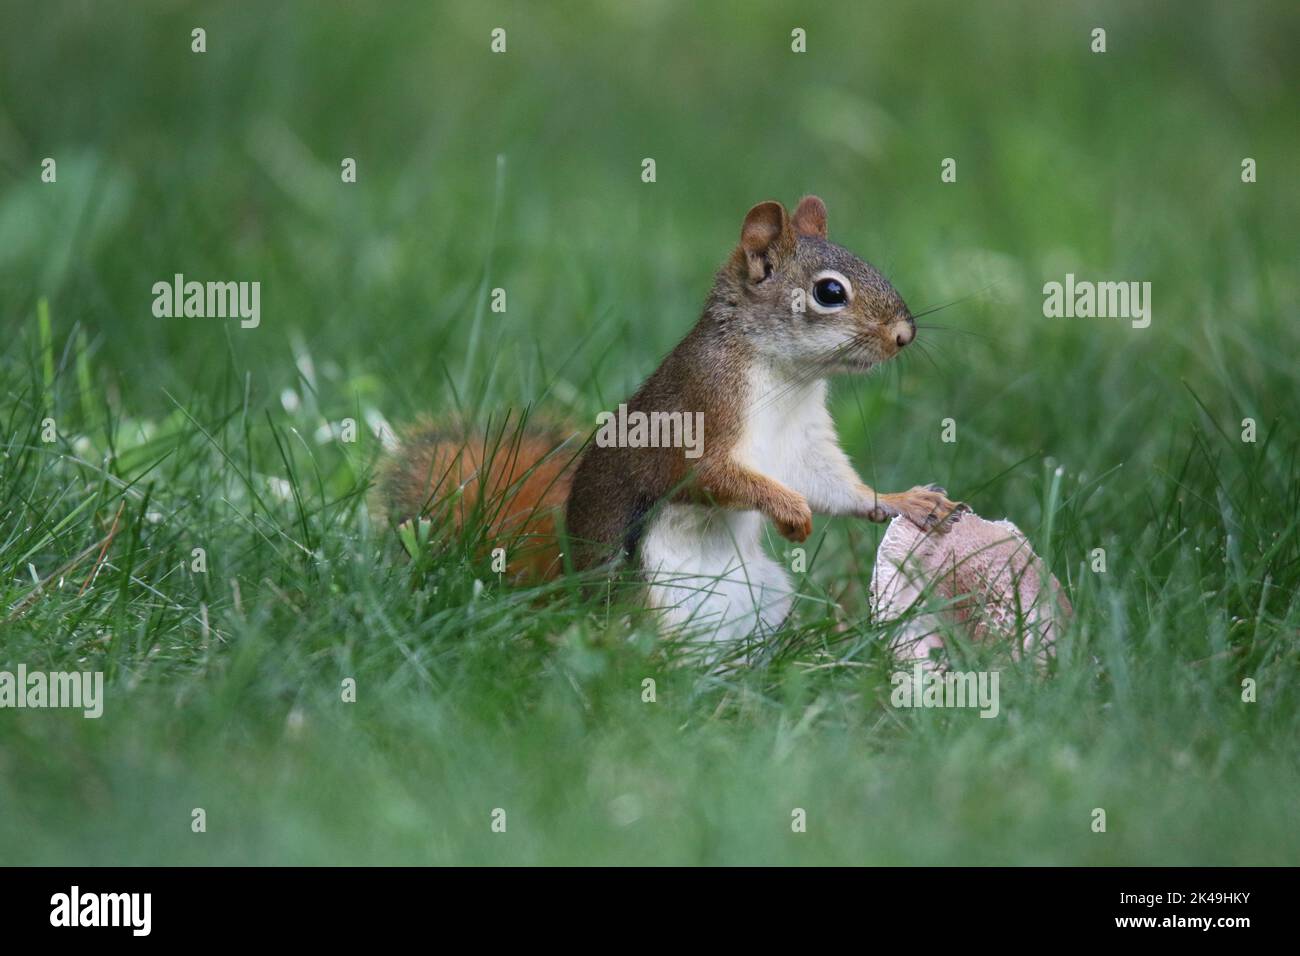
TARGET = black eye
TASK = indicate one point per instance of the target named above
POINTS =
(830, 292)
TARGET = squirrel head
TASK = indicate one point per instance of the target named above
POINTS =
(804, 301)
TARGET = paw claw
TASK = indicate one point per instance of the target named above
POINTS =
(929, 509)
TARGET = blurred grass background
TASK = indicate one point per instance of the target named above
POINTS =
(522, 171)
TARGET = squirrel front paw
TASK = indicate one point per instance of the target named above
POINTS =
(792, 517)
(927, 507)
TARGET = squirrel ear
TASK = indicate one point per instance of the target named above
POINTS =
(810, 217)
(765, 239)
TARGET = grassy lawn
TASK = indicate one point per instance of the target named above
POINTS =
(522, 171)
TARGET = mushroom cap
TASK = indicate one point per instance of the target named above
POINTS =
(983, 575)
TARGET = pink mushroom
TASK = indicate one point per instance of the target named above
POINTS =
(982, 576)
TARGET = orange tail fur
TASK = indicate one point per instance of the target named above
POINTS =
(509, 485)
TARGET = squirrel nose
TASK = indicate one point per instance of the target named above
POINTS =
(904, 332)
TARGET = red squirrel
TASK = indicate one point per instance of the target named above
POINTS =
(787, 310)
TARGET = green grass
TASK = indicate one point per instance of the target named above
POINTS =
(522, 171)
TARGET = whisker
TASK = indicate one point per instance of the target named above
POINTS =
(924, 352)
(816, 369)
(947, 328)
(936, 308)
(942, 349)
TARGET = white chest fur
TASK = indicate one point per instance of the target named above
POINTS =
(784, 418)
(706, 567)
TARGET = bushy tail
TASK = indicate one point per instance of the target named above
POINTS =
(504, 487)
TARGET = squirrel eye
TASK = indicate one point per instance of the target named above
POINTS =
(830, 292)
